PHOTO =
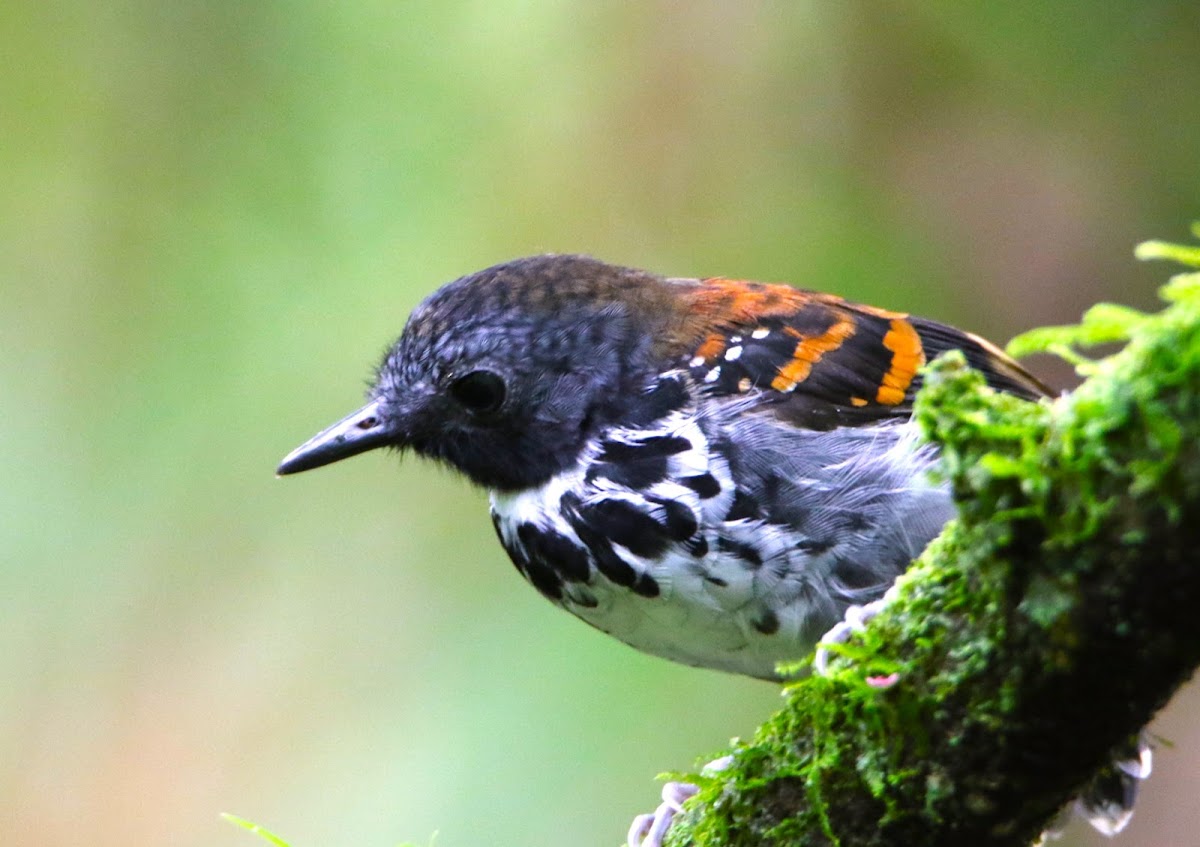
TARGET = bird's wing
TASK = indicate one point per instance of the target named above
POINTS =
(824, 361)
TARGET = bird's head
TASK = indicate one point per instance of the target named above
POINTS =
(506, 373)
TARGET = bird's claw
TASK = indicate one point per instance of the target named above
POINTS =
(855, 620)
(649, 830)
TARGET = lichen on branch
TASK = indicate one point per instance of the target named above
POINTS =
(1038, 633)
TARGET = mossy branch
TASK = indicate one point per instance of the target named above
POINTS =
(1036, 635)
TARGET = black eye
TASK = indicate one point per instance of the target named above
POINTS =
(480, 391)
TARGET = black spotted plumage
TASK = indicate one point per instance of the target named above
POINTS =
(767, 623)
(568, 560)
(745, 553)
(627, 524)
(609, 563)
(704, 484)
(639, 473)
(638, 463)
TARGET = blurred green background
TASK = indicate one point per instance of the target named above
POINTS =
(216, 215)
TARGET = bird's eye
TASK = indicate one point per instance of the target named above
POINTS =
(479, 391)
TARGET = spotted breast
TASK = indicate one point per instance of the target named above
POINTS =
(721, 540)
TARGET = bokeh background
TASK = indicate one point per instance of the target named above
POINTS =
(215, 215)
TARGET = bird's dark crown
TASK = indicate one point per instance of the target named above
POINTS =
(506, 373)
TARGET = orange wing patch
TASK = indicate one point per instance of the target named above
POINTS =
(743, 335)
(908, 355)
(713, 346)
(809, 351)
(836, 362)
(736, 301)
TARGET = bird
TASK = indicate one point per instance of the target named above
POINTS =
(713, 471)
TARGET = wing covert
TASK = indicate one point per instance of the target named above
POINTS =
(823, 360)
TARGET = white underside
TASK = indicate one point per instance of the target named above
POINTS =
(706, 609)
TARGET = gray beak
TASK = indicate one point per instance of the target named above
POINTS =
(357, 433)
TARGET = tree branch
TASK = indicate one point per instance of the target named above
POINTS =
(1042, 630)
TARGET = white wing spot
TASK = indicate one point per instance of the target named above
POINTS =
(696, 362)
(713, 375)
(733, 354)
(744, 384)
(760, 333)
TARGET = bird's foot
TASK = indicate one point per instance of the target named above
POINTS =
(855, 620)
(1107, 802)
(649, 830)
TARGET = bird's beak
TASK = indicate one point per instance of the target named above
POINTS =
(357, 433)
